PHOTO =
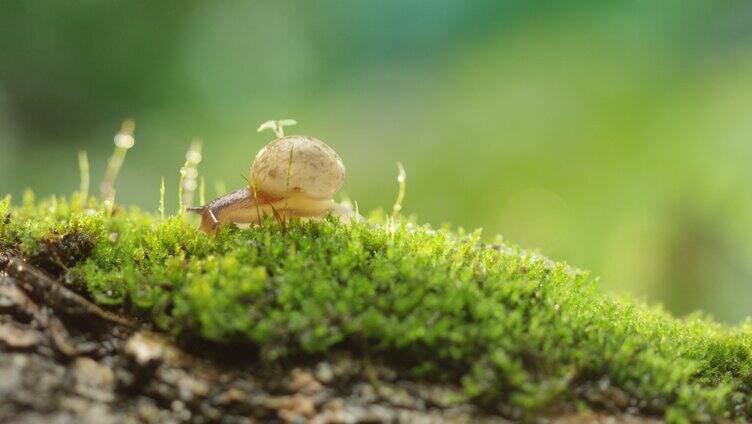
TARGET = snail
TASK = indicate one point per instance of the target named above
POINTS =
(292, 176)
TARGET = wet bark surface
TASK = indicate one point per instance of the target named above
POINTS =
(65, 360)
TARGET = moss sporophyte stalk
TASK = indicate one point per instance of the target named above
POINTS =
(522, 335)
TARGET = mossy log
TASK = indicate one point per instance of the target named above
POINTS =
(124, 316)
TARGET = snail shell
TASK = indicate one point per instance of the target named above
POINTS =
(298, 164)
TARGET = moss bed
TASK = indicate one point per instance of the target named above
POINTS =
(522, 335)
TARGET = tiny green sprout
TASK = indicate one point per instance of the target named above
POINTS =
(278, 126)
(83, 168)
(402, 181)
(161, 199)
(189, 183)
(123, 142)
(183, 172)
(202, 190)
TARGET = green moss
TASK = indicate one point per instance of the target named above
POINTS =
(520, 333)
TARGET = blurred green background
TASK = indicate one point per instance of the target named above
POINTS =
(615, 135)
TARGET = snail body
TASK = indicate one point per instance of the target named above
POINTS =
(291, 177)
